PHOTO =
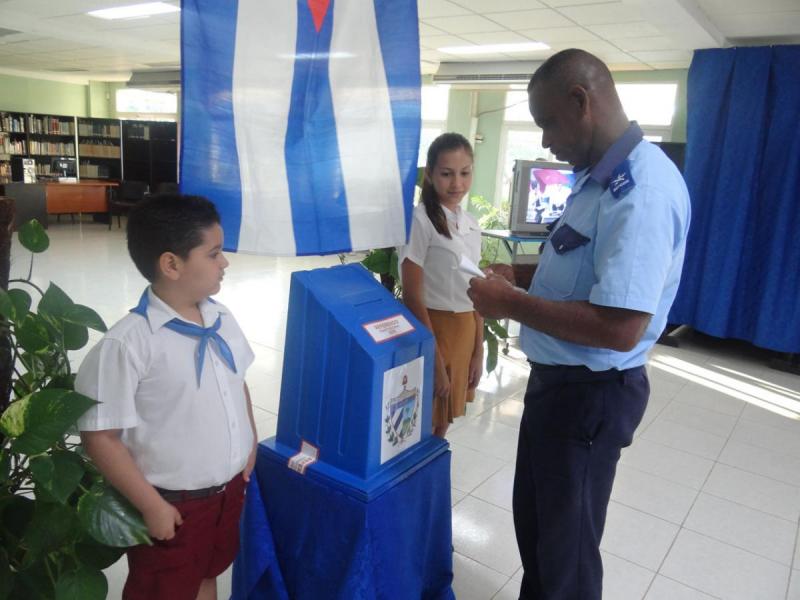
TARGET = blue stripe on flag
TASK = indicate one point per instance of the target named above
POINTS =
(209, 161)
(319, 202)
(400, 49)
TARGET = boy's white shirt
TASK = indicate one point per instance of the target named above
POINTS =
(181, 437)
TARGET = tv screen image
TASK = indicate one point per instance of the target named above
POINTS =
(539, 195)
(549, 189)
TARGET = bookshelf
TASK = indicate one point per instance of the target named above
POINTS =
(150, 152)
(99, 148)
(49, 136)
(105, 149)
(13, 141)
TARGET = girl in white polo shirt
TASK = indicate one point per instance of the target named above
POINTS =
(434, 289)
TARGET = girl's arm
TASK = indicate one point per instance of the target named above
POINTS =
(413, 297)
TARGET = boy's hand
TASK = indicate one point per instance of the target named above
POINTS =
(251, 463)
(162, 520)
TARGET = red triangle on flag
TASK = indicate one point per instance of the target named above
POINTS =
(319, 8)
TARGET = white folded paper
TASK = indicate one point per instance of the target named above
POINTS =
(470, 267)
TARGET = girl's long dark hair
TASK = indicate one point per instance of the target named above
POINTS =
(444, 143)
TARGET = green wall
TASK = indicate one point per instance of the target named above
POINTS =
(23, 94)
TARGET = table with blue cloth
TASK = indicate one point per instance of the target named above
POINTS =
(305, 539)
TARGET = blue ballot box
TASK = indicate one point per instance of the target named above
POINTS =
(357, 387)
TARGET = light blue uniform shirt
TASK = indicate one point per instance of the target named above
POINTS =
(620, 242)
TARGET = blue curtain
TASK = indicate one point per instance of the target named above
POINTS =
(741, 277)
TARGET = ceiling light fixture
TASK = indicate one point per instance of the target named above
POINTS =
(495, 48)
(134, 11)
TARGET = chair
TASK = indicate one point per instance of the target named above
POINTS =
(123, 198)
(167, 187)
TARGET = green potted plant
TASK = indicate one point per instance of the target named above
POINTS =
(60, 523)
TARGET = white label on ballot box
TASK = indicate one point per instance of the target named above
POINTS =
(308, 455)
(401, 404)
(388, 328)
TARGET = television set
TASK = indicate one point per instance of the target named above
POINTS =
(539, 192)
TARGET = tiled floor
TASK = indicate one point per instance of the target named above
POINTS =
(706, 502)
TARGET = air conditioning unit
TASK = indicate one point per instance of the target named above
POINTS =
(166, 79)
(511, 71)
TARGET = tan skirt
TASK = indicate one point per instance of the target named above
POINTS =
(455, 340)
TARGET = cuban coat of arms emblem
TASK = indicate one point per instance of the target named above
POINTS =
(401, 407)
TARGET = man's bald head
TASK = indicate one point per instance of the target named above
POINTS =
(574, 67)
(573, 100)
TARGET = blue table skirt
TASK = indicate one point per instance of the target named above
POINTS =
(303, 540)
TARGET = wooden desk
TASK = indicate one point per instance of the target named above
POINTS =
(83, 197)
(51, 198)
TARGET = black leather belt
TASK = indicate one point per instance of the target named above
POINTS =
(183, 495)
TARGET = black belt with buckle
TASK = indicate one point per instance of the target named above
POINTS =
(183, 495)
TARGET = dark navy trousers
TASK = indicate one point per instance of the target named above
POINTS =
(574, 424)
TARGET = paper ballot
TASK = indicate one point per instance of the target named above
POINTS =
(470, 267)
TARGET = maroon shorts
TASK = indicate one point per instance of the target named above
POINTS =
(203, 547)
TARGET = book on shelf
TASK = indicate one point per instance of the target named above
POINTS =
(98, 150)
(50, 125)
(12, 123)
(52, 148)
(106, 130)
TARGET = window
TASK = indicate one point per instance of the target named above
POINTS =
(434, 117)
(519, 139)
(652, 105)
(145, 102)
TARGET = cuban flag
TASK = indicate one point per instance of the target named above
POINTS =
(301, 120)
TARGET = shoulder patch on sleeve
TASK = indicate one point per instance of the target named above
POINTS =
(621, 181)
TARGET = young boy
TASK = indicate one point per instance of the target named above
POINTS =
(173, 430)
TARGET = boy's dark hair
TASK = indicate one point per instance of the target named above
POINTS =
(167, 223)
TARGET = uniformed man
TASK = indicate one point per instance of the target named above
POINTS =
(599, 300)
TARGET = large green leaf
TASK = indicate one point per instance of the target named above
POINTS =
(75, 336)
(22, 303)
(491, 353)
(32, 334)
(378, 261)
(6, 306)
(12, 421)
(33, 236)
(83, 584)
(394, 265)
(59, 474)
(96, 555)
(111, 519)
(497, 329)
(48, 416)
(5, 467)
(52, 527)
(83, 315)
(55, 302)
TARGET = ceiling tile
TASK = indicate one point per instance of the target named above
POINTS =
(532, 19)
(613, 31)
(653, 56)
(562, 3)
(499, 37)
(440, 41)
(657, 42)
(425, 29)
(439, 8)
(602, 14)
(465, 24)
(487, 7)
(551, 35)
